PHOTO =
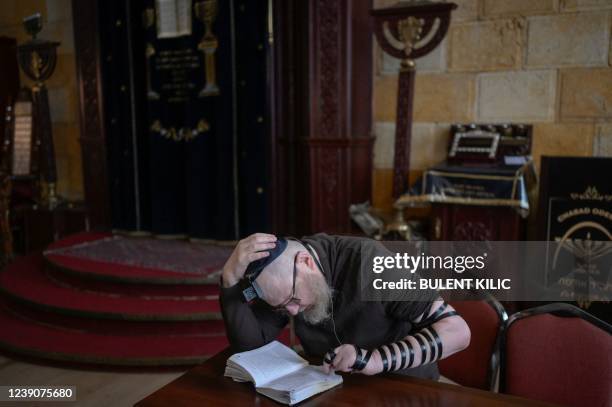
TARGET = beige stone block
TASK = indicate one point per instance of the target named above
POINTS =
(65, 72)
(467, 10)
(602, 144)
(580, 39)
(516, 96)
(63, 105)
(7, 14)
(444, 98)
(610, 54)
(384, 98)
(382, 189)
(384, 144)
(25, 8)
(495, 8)
(435, 61)
(586, 93)
(566, 139)
(69, 160)
(63, 172)
(66, 139)
(59, 10)
(486, 46)
(576, 5)
(15, 31)
(429, 145)
(62, 32)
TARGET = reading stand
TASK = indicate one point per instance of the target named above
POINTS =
(205, 385)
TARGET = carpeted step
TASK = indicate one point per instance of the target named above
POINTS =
(108, 326)
(77, 282)
(25, 280)
(95, 298)
(138, 260)
(31, 337)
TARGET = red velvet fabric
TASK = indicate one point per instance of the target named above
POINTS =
(470, 367)
(561, 360)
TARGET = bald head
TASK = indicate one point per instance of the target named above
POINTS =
(312, 295)
(278, 275)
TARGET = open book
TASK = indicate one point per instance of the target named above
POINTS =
(280, 373)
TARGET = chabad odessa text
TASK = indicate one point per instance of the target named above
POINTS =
(412, 264)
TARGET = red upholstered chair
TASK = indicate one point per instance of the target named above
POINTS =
(477, 366)
(558, 353)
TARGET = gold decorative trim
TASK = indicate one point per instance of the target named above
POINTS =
(591, 194)
(207, 11)
(472, 176)
(148, 18)
(403, 201)
(149, 53)
(409, 31)
(181, 134)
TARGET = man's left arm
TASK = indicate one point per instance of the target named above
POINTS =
(439, 334)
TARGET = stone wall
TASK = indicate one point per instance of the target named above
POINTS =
(62, 86)
(546, 62)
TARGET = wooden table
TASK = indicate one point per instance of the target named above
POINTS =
(205, 385)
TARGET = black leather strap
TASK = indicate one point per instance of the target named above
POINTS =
(359, 364)
(438, 341)
(423, 344)
(432, 344)
(361, 361)
(383, 356)
(392, 367)
(367, 357)
(402, 349)
(441, 317)
(428, 320)
(410, 352)
(329, 357)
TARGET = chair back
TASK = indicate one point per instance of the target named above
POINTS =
(477, 365)
(560, 354)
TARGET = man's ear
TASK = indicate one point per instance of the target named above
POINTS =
(306, 258)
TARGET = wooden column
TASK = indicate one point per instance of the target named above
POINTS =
(93, 143)
(324, 95)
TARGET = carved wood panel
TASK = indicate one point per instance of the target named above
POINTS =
(337, 144)
(93, 145)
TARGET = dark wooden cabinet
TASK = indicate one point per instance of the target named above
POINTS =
(471, 222)
(9, 72)
(42, 226)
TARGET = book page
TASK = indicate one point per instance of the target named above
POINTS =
(268, 362)
(308, 376)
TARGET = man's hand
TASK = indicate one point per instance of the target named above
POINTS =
(345, 359)
(248, 250)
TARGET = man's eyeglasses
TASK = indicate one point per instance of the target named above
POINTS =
(292, 299)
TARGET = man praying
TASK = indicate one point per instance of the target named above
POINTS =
(316, 280)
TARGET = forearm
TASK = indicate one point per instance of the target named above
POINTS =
(429, 345)
(441, 334)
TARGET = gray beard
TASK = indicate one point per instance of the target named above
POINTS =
(319, 311)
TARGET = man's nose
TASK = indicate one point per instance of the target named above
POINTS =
(293, 309)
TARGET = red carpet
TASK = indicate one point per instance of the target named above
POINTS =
(141, 260)
(25, 280)
(97, 299)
